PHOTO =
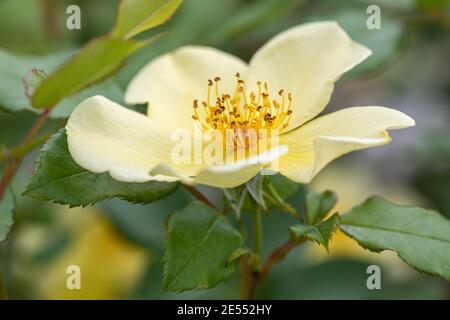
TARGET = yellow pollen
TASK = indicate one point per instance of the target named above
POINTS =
(242, 112)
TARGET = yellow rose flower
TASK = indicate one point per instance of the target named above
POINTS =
(287, 83)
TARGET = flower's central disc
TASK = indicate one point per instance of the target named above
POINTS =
(241, 113)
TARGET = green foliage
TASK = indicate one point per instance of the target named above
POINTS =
(284, 186)
(136, 16)
(236, 199)
(320, 233)
(6, 217)
(271, 191)
(59, 179)
(13, 69)
(96, 61)
(420, 237)
(318, 205)
(277, 190)
(255, 189)
(103, 56)
(199, 243)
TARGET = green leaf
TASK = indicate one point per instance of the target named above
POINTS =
(320, 233)
(276, 190)
(318, 205)
(236, 199)
(94, 62)
(284, 186)
(255, 188)
(199, 242)
(136, 16)
(7, 209)
(59, 179)
(13, 68)
(6, 216)
(420, 237)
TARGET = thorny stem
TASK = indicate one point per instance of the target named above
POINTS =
(10, 171)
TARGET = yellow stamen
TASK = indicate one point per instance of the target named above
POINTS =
(241, 112)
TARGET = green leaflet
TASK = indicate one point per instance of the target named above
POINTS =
(320, 233)
(6, 216)
(13, 68)
(199, 243)
(136, 16)
(318, 205)
(255, 188)
(94, 62)
(59, 179)
(420, 237)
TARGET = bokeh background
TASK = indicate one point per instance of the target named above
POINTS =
(119, 245)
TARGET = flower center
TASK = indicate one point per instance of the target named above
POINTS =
(242, 114)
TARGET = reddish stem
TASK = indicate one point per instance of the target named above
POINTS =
(200, 196)
(10, 171)
(276, 256)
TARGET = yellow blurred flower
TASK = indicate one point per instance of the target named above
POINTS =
(110, 266)
(286, 84)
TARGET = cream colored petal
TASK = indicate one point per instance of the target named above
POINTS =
(326, 138)
(171, 82)
(227, 175)
(106, 137)
(306, 60)
(233, 175)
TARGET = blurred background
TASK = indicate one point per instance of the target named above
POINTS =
(118, 245)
